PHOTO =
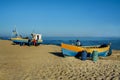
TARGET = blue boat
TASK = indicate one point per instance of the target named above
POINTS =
(73, 50)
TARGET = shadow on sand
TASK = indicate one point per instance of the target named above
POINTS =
(59, 54)
(13, 44)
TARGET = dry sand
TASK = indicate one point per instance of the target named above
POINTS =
(45, 62)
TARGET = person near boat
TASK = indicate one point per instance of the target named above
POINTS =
(78, 43)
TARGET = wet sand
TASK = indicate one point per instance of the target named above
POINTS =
(46, 62)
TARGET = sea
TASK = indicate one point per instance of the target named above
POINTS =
(85, 41)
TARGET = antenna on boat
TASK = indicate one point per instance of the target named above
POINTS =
(33, 31)
(15, 32)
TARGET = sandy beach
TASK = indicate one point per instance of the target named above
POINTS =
(45, 62)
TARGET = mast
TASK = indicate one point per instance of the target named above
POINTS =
(15, 32)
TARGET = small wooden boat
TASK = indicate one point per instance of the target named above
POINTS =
(73, 50)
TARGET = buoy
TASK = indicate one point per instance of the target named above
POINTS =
(84, 55)
(95, 56)
(110, 52)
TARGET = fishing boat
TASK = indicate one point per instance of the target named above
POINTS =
(73, 50)
(21, 41)
(35, 40)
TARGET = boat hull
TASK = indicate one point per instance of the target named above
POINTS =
(24, 41)
(72, 50)
(69, 52)
(73, 53)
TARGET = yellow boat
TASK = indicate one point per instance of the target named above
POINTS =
(73, 50)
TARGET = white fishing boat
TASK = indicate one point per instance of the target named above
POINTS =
(35, 40)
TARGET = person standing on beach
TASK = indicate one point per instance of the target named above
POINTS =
(34, 42)
(37, 39)
(33, 39)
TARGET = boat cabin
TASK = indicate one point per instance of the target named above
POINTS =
(36, 36)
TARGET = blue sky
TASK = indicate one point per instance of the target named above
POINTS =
(83, 18)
